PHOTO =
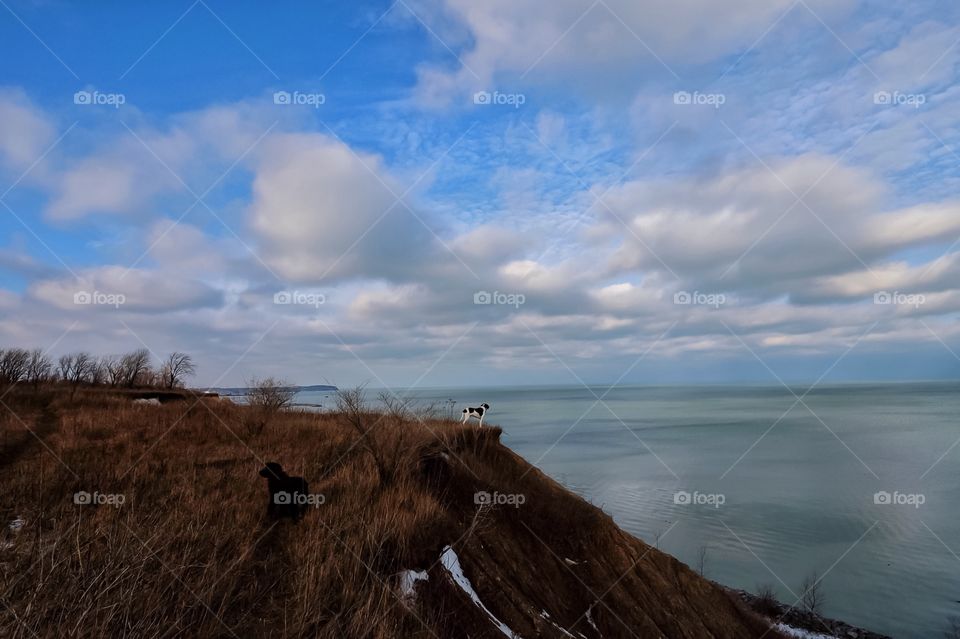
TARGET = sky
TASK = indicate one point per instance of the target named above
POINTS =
(454, 193)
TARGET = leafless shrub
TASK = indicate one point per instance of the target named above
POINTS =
(270, 394)
(394, 406)
(265, 398)
(351, 405)
(812, 597)
(702, 559)
(767, 603)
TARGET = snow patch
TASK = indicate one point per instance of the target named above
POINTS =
(546, 615)
(590, 620)
(16, 524)
(451, 562)
(408, 581)
(798, 633)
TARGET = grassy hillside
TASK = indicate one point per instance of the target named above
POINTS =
(190, 552)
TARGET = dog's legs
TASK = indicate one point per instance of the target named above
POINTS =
(466, 416)
(481, 419)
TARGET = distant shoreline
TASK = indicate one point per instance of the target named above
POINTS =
(241, 391)
(732, 385)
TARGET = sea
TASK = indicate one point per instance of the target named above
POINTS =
(854, 485)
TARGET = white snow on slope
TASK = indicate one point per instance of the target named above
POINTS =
(590, 620)
(801, 634)
(546, 615)
(409, 579)
(451, 562)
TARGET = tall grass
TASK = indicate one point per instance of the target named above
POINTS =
(189, 551)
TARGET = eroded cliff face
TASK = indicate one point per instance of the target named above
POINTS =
(553, 565)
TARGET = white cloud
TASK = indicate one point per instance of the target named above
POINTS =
(116, 288)
(596, 44)
(737, 230)
(193, 153)
(25, 131)
(326, 212)
(98, 186)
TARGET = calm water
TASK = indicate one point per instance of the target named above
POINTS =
(801, 500)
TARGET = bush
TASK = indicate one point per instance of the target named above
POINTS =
(266, 397)
(767, 603)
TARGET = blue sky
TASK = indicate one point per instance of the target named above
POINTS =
(659, 192)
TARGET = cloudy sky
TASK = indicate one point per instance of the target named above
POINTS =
(450, 192)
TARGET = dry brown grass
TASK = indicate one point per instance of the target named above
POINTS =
(190, 552)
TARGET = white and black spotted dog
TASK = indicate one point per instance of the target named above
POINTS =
(476, 413)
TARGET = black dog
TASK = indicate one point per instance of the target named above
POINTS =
(288, 495)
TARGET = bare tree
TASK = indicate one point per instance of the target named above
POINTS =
(812, 597)
(39, 367)
(151, 378)
(64, 367)
(83, 367)
(266, 397)
(98, 371)
(13, 365)
(113, 366)
(135, 365)
(176, 367)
